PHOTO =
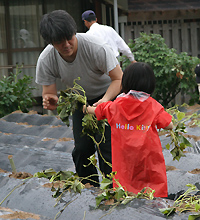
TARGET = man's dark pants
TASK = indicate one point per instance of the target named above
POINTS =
(85, 147)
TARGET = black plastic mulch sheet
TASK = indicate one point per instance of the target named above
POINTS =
(40, 142)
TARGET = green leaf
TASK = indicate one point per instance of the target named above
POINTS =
(79, 187)
(180, 116)
(105, 183)
(40, 175)
(167, 146)
(191, 186)
(119, 193)
(64, 175)
(45, 173)
(99, 199)
(57, 192)
(197, 206)
(174, 152)
(50, 172)
(167, 211)
(193, 216)
(186, 142)
(61, 175)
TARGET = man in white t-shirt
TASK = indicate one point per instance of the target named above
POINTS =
(108, 34)
(67, 56)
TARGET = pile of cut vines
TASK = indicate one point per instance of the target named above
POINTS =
(188, 201)
(69, 181)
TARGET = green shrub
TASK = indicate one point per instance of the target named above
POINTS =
(15, 94)
(174, 72)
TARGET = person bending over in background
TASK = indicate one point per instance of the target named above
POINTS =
(69, 56)
(134, 117)
(108, 34)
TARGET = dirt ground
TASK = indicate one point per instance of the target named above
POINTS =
(17, 214)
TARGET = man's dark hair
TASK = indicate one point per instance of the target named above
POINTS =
(140, 77)
(57, 26)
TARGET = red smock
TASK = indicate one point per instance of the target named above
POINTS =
(136, 148)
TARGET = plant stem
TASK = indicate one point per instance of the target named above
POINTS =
(11, 192)
(10, 157)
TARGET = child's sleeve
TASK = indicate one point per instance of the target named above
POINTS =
(102, 110)
(163, 119)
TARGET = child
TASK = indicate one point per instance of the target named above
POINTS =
(134, 118)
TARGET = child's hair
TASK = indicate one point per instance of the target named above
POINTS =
(138, 76)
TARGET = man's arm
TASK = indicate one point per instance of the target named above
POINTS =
(50, 97)
(115, 86)
(124, 48)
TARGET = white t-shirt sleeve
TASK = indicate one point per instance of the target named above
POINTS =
(122, 46)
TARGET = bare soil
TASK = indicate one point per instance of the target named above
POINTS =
(17, 214)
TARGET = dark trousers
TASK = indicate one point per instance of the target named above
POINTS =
(85, 147)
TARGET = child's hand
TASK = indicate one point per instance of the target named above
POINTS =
(170, 126)
(85, 109)
(89, 109)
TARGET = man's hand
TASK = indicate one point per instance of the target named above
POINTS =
(50, 97)
(134, 61)
(115, 86)
(99, 102)
(50, 101)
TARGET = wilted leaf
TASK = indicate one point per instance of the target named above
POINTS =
(57, 193)
(127, 200)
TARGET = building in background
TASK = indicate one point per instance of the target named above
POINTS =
(177, 21)
(20, 40)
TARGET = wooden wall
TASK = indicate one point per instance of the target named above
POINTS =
(180, 29)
